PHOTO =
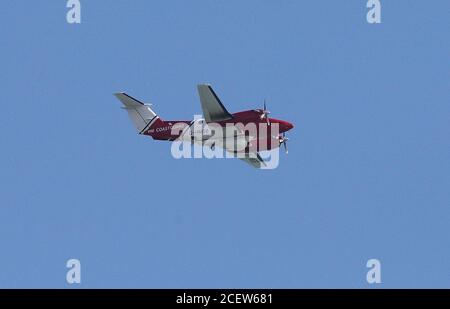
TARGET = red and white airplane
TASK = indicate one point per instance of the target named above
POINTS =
(268, 133)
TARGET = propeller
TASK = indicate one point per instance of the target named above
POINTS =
(265, 113)
(283, 140)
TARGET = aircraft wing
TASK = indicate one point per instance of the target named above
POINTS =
(257, 161)
(213, 109)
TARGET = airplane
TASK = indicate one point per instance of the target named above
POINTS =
(245, 145)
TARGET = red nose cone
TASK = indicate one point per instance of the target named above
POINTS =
(286, 126)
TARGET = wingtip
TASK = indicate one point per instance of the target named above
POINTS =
(204, 85)
(118, 94)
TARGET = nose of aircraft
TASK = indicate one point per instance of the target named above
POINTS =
(286, 126)
(283, 125)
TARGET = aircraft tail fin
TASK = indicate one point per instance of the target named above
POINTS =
(142, 116)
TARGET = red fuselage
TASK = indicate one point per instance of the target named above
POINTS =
(162, 130)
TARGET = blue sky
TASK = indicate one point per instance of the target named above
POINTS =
(367, 175)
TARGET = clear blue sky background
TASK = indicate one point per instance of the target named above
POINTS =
(367, 175)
